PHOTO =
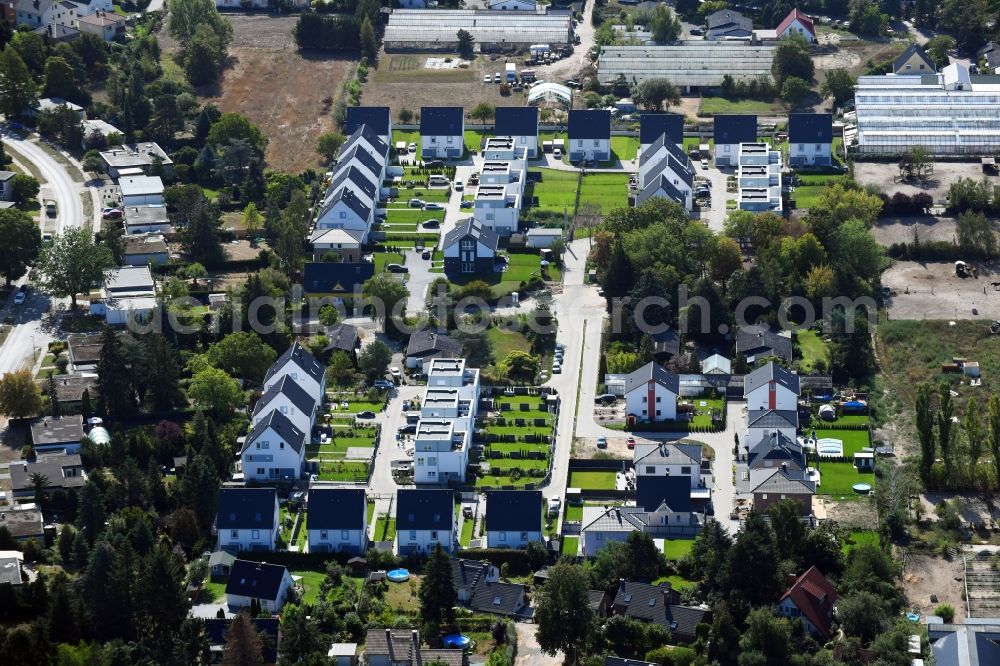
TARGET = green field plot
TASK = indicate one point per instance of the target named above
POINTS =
(556, 191)
(592, 480)
(604, 191)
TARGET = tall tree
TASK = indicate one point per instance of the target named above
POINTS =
(215, 391)
(562, 612)
(789, 532)
(114, 376)
(387, 296)
(792, 58)
(60, 79)
(369, 47)
(243, 644)
(752, 565)
(252, 219)
(300, 635)
(21, 241)
(91, 514)
(202, 237)
(994, 435)
(438, 595)
(925, 429)
(160, 367)
(72, 264)
(17, 89)
(20, 397)
(972, 426)
(242, 354)
(162, 602)
(55, 409)
(946, 410)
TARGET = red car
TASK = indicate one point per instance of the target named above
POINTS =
(630, 443)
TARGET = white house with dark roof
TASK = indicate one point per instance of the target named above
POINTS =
(303, 368)
(337, 520)
(441, 451)
(651, 393)
(589, 135)
(344, 243)
(425, 519)
(513, 518)
(442, 132)
(470, 248)
(274, 449)
(289, 399)
(775, 450)
(664, 160)
(268, 583)
(376, 118)
(763, 423)
(914, 60)
(771, 387)
(653, 126)
(521, 124)
(247, 519)
(729, 131)
(810, 136)
(351, 199)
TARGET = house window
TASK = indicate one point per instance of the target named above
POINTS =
(524, 536)
(644, 412)
(235, 534)
(650, 469)
(659, 399)
(596, 143)
(685, 470)
(468, 244)
(281, 445)
(763, 496)
(468, 267)
(323, 535)
(413, 535)
(658, 412)
(451, 140)
(644, 400)
(255, 534)
(260, 471)
(433, 140)
(283, 409)
(434, 536)
(503, 536)
(343, 215)
(817, 146)
(345, 535)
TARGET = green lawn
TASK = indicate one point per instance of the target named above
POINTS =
(409, 136)
(353, 407)
(703, 414)
(858, 538)
(854, 440)
(213, 591)
(713, 106)
(836, 479)
(625, 147)
(385, 528)
(520, 268)
(556, 191)
(474, 140)
(604, 191)
(814, 351)
(592, 480)
(383, 259)
(495, 481)
(369, 512)
(343, 471)
(411, 216)
(574, 513)
(676, 549)
(569, 545)
(465, 538)
(811, 187)
(311, 581)
(680, 583)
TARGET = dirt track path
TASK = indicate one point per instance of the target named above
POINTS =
(571, 66)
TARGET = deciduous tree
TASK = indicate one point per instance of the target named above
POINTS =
(17, 89)
(374, 360)
(72, 264)
(562, 612)
(214, 390)
(242, 354)
(21, 241)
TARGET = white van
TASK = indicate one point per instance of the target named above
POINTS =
(438, 179)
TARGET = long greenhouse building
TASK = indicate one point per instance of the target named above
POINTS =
(691, 64)
(437, 29)
(949, 113)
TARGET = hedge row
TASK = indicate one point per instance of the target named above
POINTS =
(491, 437)
(933, 251)
(523, 454)
(522, 423)
(674, 426)
(839, 426)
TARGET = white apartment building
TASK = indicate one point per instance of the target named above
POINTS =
(452, 373)
(759, 178)
(441, 451)
(949, 113)
(501, 186)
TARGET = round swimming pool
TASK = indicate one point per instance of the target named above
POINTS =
(398, 575)
(456, 641)
(862, 488)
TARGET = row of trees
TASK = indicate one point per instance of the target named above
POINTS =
(952, 447)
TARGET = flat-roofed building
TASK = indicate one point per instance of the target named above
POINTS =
(759, 178)
(690, 64)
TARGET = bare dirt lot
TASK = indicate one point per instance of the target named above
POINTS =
(931, 290)
(925, 575)
(885, 176)
(288, 94)
(403, 80)
(925, 228)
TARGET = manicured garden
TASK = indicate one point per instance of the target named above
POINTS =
(385, 528)
(521, 268)
(676, 549)
(569, 545)
(837, 479)
(525, 459)
(814, 352)
(592, 479)
(854, 440)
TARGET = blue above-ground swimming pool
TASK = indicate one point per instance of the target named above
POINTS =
(913, 617)
(862, 488)
(398, 575)
(456, 641)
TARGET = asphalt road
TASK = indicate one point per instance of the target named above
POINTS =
(59, 185)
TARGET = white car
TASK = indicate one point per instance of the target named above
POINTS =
(704, 164)
(412, 147)
(554, 506)
(459, 186)
(557, 153)
(487, 79)
(394, 371)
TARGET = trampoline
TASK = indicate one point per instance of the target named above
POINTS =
(398, 575)
(456, 641)
(830, 448)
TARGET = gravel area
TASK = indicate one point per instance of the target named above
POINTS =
(931, 290)
(885, 176)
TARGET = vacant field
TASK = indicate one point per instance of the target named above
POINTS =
(885, 176)
(931, 290)
(922, 228)
(287, 93)
(813, 349)
(556, 191)
(402, 81)
(713, 106)
(604, 191)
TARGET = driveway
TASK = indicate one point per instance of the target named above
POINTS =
(420, 278)
(528, 652)
(717, 179)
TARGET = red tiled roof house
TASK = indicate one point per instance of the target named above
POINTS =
(812, 598)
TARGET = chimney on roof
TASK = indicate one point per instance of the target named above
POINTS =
(388, 642)
(417, 657)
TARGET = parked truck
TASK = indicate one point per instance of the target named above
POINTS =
(511, 72)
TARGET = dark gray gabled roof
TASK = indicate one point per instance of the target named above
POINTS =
(246, 508)
(336, 277)
(653, 491)
(668, 454)
(336, 509)
(255, 579)
(654, 187)
(424, 509)
(735, 129)
(775, 449)
(651, 603)
(516, 121)
(357, 153)
(666, 342)
(474, 229)
(589, 124)
(498, 598)
(441, 120)
(810, 128)
(375, 117)
(762, 340)
(655, 372)
(467, 573)
(768, 373)
(619, 519)
(372, 138)
(654, 125)
(278, 422)
(431, 342)
(343, 337)
(514, 511)
(727, 18)
(777, 480)
(911, 50)
(349, 173)
(772, 418)
(289, 388)
(301, 357)
(350, 199)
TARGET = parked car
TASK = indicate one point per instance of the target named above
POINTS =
(426, 254)
(556, 369)
(111, 213)
(382, 384)
(394, 371)
(410, 429)
(606, 398)
(459, 186)
(557, 153)
(19, 298)
(554, 506)
(602, 442)
(431, 224)
(487, 79)
(50, 208)
(466, 204)
(630, 443)
(497, 78)
(433, 206)
(697, 32)
(397, 268)
(416, 203)
(704, 164)
(367, 414)
(412, 147)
